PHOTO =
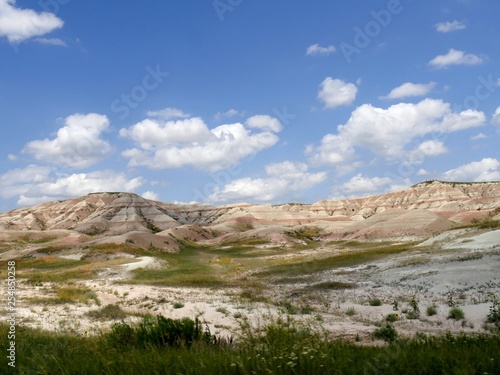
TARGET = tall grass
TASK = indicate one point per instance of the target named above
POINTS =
(279, 348)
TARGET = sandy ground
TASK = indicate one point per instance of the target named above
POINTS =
(460, 268)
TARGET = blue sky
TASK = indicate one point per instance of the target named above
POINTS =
(235, 100)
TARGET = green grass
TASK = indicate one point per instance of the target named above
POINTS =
(69, 294)
(280, 349)
(431, 310)
(456, 313)
(108, 312)
(331, 285)
(345, 259)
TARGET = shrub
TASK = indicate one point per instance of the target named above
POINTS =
(177, 305)
(431, 310)
(386, 333)
(494, 314)
(375, 302)
(392, 317)
(351, 311)
(456, 313)
(108, 312)
(159, 332)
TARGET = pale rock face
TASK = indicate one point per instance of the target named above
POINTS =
(418, 211)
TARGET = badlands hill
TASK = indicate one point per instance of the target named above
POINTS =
(413, 213)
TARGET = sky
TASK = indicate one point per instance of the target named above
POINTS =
(224, 101)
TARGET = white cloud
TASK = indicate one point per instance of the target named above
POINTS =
(51, 41)
(78, 144)
(316, 49)
(422, 172)
(432, 148)
(282, 179)
(335, 92)
(150, 195)
(22, 24)
(495, 120)
(446, 27)
(264, 122)
(174, 144)
(410, 89)
(387, 132)
(360, 185)
(36, 184)
(18, 181)
(168, 114)
(12, 157)
(478, 136)
(455, 57)
(228, 114)
(488, 169)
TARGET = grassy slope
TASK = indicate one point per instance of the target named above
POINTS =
(282, 350)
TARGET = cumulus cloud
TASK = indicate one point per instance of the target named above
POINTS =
(410, 89)
(335, 92)
(487, 169)
(455, 57)
(19, 25)
(387, 132)
(36, 184)
(282, 179)
(495, 120)
(316, 49)
(150, 195)
(228, 114)
(360, 185)
(446, 27)
(78, 144)
(264, 122)
(432, 148)
(175, 144)
(168, 114)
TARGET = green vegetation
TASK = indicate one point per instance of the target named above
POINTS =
(494, 314)
(431, 310)
(108, 312)
(386, 333)
(165, 346)
(332, 285)
(344, 259)
(177, 305)
(375, 302)
(456, 313)
(392, 317)
(351, 311)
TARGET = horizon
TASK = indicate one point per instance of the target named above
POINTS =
(223, 102)
(426, 182)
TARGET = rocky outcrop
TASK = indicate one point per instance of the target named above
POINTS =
(420, 210)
